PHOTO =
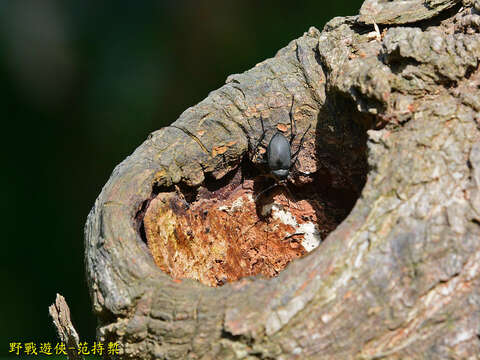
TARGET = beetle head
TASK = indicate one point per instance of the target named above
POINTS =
(280, 174)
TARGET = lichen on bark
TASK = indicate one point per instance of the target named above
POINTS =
(396, 132)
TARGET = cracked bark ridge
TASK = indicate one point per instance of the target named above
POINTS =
(402, 11)
(398, 278)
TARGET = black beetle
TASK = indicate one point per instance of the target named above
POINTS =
(279, 154)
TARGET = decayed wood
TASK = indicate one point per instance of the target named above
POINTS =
(398, 278)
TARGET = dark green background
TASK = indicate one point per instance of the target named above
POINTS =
(82, 84)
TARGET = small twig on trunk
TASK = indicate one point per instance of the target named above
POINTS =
(60, 313)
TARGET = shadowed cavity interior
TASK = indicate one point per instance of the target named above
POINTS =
(221, 232)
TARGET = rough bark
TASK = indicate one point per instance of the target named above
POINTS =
(398, 278)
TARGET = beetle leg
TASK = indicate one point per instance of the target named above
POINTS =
(294, 156)
(259, 142)
(292, 124)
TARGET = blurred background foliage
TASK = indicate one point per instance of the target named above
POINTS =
(82, 84)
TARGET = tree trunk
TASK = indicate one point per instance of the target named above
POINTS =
(392, 157)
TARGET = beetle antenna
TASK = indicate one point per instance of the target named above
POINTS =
(271, 187)
(289, 192)
(264, 191)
